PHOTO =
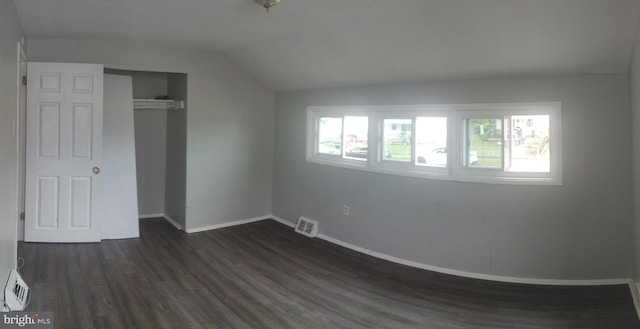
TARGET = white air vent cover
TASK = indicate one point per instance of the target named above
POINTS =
(16, 292)
(306, 226)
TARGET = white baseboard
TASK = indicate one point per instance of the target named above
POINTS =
(473, 275)
(465, 274)
(165, 216)
(283, 221)
(151, 216)
(223, 225)
(173, 222)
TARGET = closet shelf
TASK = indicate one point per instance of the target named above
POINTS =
(157, 104)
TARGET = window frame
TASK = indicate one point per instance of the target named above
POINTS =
(407, 168)
(455, 115)
(501, 175)
(339, 160)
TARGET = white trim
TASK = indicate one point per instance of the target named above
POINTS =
(151, 216)
(283, 221)
(465, 274)
(20, 167)
(165, 216)
(173, 222)
(474, 275)
(223, 225)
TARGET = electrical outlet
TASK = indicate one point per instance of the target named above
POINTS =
(346, 210)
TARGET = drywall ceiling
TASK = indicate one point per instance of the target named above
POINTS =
(302, 44)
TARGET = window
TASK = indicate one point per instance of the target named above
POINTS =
(510, 143)
(489, 143)
(513, 143)
(339, 138)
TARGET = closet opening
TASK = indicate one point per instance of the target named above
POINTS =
(160, 125)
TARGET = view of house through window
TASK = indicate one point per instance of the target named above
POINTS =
(396, 145)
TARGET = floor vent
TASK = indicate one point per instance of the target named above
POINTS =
(16, 292)
(306, 226)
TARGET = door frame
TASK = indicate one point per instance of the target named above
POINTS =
(20, 132)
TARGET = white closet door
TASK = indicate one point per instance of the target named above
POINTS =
(64, 152)
(120, 207)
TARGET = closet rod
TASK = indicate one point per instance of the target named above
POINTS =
(157, 104)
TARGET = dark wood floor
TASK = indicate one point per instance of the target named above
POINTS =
(263, 275)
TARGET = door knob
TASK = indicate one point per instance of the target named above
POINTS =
(96, 170)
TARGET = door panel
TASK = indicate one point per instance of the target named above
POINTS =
(48, 200)
(80, 202)
(64, 143)
(82, 131)
(48, 131)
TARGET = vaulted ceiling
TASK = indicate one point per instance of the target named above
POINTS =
(302, 44)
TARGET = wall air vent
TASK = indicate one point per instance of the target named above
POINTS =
(306, 226)
(16, 292)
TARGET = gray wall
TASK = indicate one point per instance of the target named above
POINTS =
(230, 123)
(176, 162)
(635, 153)
(151, 153)
(10, 33)
(576, 231)
(145, 84)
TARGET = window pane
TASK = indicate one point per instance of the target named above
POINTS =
(484, 143)
(356, 143)
(431, 141)
(396, 139)
(330, 135)
(530, 143)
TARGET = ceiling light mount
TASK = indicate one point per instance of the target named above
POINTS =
(267, 3)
